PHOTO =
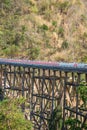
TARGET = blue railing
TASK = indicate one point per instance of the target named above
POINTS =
(72, 67)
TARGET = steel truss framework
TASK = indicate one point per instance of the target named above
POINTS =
(46, 86)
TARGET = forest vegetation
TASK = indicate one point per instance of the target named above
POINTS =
(54, 30)
(11, 115)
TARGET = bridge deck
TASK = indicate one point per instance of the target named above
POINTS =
(72, 67)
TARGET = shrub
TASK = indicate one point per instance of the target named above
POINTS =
(63, 6)
(65, 44)
(73, 124)
(44, 27)
(83, 93)
(11, 116)
(54, 23)
(55, 121)
(61, 31)
(33, 52)
(11, 51)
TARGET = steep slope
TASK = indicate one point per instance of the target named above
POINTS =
(44, 30)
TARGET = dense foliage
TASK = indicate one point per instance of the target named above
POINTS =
(77, 124)
(83, 93)
(55, 121)
(11, 116)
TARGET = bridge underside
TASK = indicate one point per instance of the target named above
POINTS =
(45, 90)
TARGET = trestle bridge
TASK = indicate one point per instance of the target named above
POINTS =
(46, 86)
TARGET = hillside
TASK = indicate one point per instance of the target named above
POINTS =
(54, 30)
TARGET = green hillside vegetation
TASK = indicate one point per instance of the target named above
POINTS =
(54, 30)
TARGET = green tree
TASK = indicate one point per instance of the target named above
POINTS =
(76, 124)
(55, 121)
(83, 93)
(11, 116)
(73, 124)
